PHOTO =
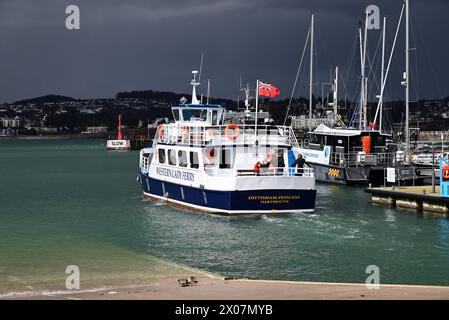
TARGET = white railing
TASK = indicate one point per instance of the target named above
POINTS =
(144, 163)
(277, 171)
(224, 135)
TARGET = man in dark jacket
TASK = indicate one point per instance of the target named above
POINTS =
(299, 163)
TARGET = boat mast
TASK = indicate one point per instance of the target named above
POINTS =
(365, 78)
(247, 97)
(208, 91)
(257, 111)
(311, 70)
(194, 83)
(382, 75)
(335, 102)
(407, 77)
(362, 82)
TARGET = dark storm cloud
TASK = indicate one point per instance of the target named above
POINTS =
(124, 45)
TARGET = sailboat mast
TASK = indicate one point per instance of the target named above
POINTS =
(311, 70)
(365, 78)
(335, 102)
(362, 82)
(382, 75)
(407, 77)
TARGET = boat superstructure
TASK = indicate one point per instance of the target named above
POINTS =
(200, 163)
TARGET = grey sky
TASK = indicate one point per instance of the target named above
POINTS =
(137, 44)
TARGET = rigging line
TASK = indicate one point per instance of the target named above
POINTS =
(389, 62)
(350, 60)
(297, 75)
(371, 70)
(348, 73)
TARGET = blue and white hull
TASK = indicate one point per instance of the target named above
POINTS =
(203, 164)
(236, 202)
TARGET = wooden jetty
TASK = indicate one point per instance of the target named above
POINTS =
(419, 198)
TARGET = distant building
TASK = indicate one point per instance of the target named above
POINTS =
(97, 129)
(11, 122)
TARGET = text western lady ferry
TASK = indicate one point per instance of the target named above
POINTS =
(201, 163)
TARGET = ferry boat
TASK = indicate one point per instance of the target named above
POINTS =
(204, 164)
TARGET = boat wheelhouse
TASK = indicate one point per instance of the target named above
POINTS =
(201, 163)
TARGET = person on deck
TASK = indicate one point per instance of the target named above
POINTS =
(299, 163)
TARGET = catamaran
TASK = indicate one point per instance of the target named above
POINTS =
(204, 164)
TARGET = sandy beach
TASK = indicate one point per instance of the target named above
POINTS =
(211, 288)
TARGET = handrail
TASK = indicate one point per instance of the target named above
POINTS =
(278, 171)
(207, 135)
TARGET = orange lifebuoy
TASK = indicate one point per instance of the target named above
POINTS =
(160, 129)
(232, 126)
(256, 168)
(210, 153)
(445, 173)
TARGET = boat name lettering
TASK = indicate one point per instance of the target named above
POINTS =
(273, 199)
(177, 174)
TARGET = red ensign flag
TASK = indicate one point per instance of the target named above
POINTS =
(268, 90)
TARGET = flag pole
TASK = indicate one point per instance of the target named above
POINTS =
(257, 108)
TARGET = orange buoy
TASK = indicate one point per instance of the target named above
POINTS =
(235, 128)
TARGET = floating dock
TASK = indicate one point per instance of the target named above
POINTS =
(420, 198)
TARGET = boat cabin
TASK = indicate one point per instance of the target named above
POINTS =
(198, 114)
(348, 140)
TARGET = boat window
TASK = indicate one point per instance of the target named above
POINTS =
(316, 139)
(194, 114)
(172, 157)
(176, 114)
(182, 158)
(214, 117)
(194, 160)
(161, 153)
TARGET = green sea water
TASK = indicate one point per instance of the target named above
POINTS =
(70, 202)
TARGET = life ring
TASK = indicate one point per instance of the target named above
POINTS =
(210, 153)
(232, 126)
(160, 130)
(185, 133)
(445, 173)
(256, 168)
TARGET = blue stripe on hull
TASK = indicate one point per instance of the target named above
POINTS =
(255, 200)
